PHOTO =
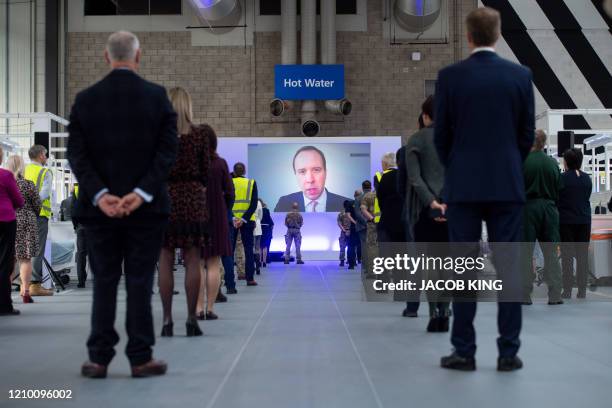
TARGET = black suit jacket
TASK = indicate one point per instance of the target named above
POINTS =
(122, 136)
(484, 128)
(335, 202)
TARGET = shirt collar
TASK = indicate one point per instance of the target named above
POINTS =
(321, 202)
(480, 49)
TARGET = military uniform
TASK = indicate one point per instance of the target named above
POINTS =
(239, 260)
(293, 222)
(345, 233)
(371, 249)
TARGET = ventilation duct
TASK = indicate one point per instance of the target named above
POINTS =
(215, 13)
(416, 16)
(310, 127)
(328, 52)
(288, 49)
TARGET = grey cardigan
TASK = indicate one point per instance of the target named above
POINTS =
(424, 172)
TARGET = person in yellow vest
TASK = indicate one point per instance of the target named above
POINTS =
(244, 218)
(41, 176)
(81, 254)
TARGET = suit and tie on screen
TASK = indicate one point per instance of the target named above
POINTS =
(310, 169)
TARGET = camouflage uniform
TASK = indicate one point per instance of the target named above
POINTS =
(343, 240)
(239, 258)
(293, 222)
(371, 248)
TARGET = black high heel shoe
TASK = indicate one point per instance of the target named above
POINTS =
(193, 329)
(167, 330)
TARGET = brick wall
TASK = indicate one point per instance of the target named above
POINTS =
(232, 86)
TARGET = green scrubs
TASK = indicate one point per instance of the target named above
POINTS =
(541, 220)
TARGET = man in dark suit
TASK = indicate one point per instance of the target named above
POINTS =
(484, 130)
(310, 169)
(122, 145)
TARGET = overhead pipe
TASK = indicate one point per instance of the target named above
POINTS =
(416, 16)
(310, 127)
(288, 49)
(328, 53)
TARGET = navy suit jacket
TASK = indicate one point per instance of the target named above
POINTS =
(122, 135)
(335, 202)
(484, 128)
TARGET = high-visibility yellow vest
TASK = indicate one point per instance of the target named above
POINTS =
(376, 206)
(243, 188)
(36, 174)
(76, 190)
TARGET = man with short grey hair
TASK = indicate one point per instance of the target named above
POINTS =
(41, 176)
(122, 145)
(122, 46)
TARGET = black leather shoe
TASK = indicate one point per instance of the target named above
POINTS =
(257, 271)
(286, 262)
(80, 285)
(167, 330)
(509, 363)
(443, 325)
(581, 294)
(220, 298)
(566, 294)
(555, 302)
(12, 312)
(300, 262)
(231, 291)
(434, 325)
(408, 313)
(193, 329)
(341, 263)
(93, 370)
(211, 316)
(456, 362)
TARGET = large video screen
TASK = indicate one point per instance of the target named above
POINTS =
(319, 177)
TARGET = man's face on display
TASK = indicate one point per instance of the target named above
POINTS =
(310, 173)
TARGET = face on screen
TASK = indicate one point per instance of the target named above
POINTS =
(310, 173)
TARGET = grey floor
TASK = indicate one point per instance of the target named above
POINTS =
(306, 338)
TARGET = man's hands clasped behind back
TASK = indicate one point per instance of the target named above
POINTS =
(115, 207)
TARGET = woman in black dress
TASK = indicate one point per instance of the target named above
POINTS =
(220, 197)
(188, 225)
(267, 225)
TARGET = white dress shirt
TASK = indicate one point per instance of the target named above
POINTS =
(480, 49)
(321, 203)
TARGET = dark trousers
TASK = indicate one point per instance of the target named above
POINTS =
(134, 250)
(228, 268)
(81, 255)
(8, 231)
(575, 238)
(428, 230)
(246, 234)
(351, 248)
(541, 223)
(37, 261)
(504, 222)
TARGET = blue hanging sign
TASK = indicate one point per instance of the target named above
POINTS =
(303, 82)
